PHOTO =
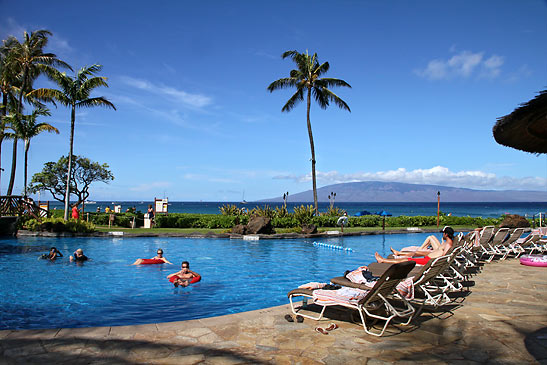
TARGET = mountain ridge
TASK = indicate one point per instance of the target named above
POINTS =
(379, 191)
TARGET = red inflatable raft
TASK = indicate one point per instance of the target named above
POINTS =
(152, 261)
(195, 279)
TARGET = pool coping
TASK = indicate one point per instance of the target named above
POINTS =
(114, 233)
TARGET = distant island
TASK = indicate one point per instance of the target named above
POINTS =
(378, 191)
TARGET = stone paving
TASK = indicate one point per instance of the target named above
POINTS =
(503, 320)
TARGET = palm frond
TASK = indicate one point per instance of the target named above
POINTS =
(297, 97)
(98, 101)
(336, 99)
(283, 84)
(331, 82)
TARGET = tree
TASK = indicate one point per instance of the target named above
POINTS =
(27, 128)
(306, 79)
(74, 93)
(26, 61)
(53, 178)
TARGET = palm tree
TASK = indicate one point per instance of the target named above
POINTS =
(27, 61)
(74, 93)
(27, 128)
(306, 80)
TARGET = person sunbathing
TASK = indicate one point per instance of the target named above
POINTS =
(421, 257)
(184, 276)
(159, 256)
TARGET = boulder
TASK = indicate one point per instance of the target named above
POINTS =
(260, 225)
(239, 229)
(514, 221)
(309, 229)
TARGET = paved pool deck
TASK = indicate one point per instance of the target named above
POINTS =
(503, 320)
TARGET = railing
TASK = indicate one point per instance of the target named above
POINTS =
(15, 205)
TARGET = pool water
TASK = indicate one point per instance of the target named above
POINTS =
(237, 276)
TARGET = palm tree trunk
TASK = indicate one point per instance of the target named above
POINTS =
(27, 146)
(69, 168)
(3, 114)
(312, 155)
(13, 167)
(19, 111)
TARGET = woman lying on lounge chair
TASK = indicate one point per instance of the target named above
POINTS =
(448, 237)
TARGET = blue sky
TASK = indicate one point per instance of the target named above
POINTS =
(194, 120)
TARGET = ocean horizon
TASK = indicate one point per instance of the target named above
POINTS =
(461, 209)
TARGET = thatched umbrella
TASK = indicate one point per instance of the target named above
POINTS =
(526, 127)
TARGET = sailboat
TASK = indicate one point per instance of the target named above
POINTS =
(243, 201)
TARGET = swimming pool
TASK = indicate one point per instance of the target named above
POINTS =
(236, 275)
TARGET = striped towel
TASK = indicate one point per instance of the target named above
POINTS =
(340, 296)
(356, 276)
(406, 288)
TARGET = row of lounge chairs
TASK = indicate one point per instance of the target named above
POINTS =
(405, 289)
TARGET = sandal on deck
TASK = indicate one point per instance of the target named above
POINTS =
(299, 319)
(289, 318)
(321, 330)
(331, 327)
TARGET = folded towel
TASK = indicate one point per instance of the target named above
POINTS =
(362, 275)
(343, 295)
(312, 285)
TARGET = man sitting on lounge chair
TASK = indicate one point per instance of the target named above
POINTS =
(448, 237)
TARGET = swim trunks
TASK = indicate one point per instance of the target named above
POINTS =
(420, 260)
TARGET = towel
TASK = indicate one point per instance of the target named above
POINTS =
(343, 295)
(357, 276)
(406, 288)
(312, 285)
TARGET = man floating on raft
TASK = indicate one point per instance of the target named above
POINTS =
(158, 259)
(185, 276)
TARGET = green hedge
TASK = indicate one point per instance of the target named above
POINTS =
(59, 225)
(211, 221)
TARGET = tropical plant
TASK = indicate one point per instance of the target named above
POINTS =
(306, 79)
(281, 212)
(53, 178)
(25, 62)
(335, 212)
(304, 214)
(26, 128)
(267, 211)
(231, 209)
(75, 93)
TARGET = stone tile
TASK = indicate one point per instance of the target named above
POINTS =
(124, 331)
(94, 332)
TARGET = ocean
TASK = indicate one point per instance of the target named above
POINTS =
(485, 210)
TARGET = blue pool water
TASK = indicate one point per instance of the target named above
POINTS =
(236, 275)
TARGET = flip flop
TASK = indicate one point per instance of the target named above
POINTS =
(299, 319)
(321, 330)
(331, 327)
(289, 318)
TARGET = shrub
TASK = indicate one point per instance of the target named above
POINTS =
(267, 211)
(304, 214)
(59, 225)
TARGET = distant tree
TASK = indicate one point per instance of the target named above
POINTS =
(24, 62)
(306, 81)
(53, 178)
(75, 93)
(26, 128)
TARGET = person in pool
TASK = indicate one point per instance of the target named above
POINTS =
(53, 254)
(448, 237)
(159, 256)
(184, 276)
(79, 256)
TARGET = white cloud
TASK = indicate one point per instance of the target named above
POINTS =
(462, 64)
(151, 186)
(437, 175)
(178, 96)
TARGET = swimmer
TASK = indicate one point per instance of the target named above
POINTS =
(184, 276)
(53, 254)
(78, 256)
(159, 256)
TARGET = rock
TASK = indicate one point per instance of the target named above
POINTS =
(239, 229)
(260, 225)
(309, 229)
(514, 221)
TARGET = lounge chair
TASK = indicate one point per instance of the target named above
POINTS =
(374, 300)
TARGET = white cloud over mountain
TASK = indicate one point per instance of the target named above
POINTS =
(437, 175)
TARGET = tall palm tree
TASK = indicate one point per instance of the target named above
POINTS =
(75, 93)
(306, 79)
(28, 60)
(27, 128)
